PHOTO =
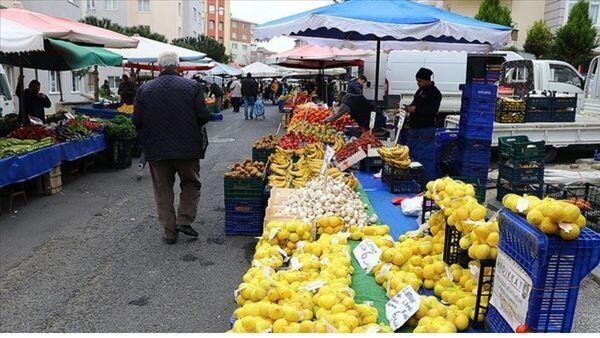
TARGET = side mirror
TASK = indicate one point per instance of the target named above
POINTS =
(368, 84)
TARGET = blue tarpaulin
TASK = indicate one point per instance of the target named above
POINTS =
(99, 113)
(16, 169)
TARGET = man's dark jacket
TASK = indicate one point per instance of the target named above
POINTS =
(427, 103)
(170, 115)
(249, 87)
(33, 104)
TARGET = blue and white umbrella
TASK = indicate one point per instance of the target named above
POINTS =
(388, 24)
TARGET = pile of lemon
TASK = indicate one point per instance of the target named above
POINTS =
(357, 233)
(312, 295)
(329, 225)
(287, 234)
(552, 217)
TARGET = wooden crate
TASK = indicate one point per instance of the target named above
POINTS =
(52, 182)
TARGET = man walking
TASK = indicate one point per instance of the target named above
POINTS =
(236, 94)
(170, 115)
(249, 92)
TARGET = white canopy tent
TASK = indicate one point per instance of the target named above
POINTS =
(148, 51)
(259, 69)
(16, 38)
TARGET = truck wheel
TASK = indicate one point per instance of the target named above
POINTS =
(551, 154)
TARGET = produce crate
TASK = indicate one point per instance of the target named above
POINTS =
(453, 254)
(119, 153)
(504, 116)
(538, 103)
(556, 268)
(389, 174)
(562, 116)
(480, 186)
(519, 175)
(477, 131)
(444, 148)
(353, 131)
(244, 206)
(565, 103)
(247, 188)
(475, 170)
(478, 110)
(474, 150)
(262, 155)
(520, 149)
(52, 181)
(538, 116)
(371, 164)
(589, 192)
(429, 207)
(405, 187)
(485, 283)
(244, 224)
(505, 188)
(479, 90)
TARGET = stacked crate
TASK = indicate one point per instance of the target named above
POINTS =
(475, 131)
(403, 181)
(510, 110)
(244, 206)
(520, 166)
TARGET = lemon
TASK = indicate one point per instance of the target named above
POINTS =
(439, 267)
(399, 259)
(387, 255)
(535, 217)
(493, 238)
(557, 214)
(581, 221)
(438, 289)
(428, 284)
(307, 326)
(461, 322)
(482, 251)
(425, 248)
(548, 227)
(478, 213)
(327, 301)
(428, 272)
(462, 214)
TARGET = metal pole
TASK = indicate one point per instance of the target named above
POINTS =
(60, 87)
(376, 99)
(22, 113)
(36, 74)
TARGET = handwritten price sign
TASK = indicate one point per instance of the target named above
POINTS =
(402, 306)
(367, 254)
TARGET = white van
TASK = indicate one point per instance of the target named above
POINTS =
(6, 101)
(449, 71)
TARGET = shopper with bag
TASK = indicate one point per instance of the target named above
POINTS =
(170, 115)
(236, 94)
(250, 93)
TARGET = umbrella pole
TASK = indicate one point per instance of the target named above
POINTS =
(36, 74)
(376, 98)
(60, 87)
(22, 113)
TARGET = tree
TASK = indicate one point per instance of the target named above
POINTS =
(211, 47)
(492, 11)
(539, 40)
(577, 38)
(143, 31)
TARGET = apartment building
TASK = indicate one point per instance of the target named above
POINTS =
(241, 41)
(218, 21)
(556, 12)
(260, 54)
(193, 18)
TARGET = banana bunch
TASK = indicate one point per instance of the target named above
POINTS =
(348, 178)
(396, 156)
(285, 173)
(338, 143)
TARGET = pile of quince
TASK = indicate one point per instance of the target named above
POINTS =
(396, 156)
(552, 217)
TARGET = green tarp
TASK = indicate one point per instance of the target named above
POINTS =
(62, 55)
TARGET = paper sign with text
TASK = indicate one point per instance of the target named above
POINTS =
(367, 254)
(329, 153)
(402, 306)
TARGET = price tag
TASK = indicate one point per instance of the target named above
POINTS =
(385, 269)
(69, 116)
(314, 286)
(35, 121)
(367, 254)
(372, 121)
(373, 329)
(402, 306)
(522, 204)
(566, 227)
(449, 273)
(401, 117)
(329, 153)
(273, 233)
(236, 293)
(295, 264)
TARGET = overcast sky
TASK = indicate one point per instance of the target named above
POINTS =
(267, 10)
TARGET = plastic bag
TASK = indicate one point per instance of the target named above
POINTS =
(412, 206)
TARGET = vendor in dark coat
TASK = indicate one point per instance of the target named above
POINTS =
(359, 109)
(34, 101)
(421, 119)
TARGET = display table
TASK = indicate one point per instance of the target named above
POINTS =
(16, 169)
(99, 112)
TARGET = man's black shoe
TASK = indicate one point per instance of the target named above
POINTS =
(188, 230)
(170, 241)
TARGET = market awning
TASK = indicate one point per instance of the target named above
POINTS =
(259, 69)
(62, 55)
(183, 67)
(319, 57)
(224, 70)
(56, 28)
(17, 38)
(148, 50)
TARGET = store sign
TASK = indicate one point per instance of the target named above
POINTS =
(512, 288)
(367, 254)
(402, 306)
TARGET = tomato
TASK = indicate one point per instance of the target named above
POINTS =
(522, 328)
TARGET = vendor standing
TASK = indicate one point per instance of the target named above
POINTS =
(359, 109)
(34, 101)
(127, 90)
(421, 119)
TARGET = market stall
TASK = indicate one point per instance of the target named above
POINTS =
(260, 70)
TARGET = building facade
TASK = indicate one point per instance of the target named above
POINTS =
(193, 18)
(556, 12)
(218, 21)
(260, 54)
(241, 41)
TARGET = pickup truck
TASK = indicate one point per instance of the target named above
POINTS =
(584, 133)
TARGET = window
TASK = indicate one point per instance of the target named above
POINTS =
(211, 24)
(195, 14)
(111, 5)
(113, 82)
(75, 83)
(234, 35)
(143, 5)
(211, 8)
(244, 47)
(221, 11)
(179, 9)
(564, 74)
(234, 46)
(53, 81)
(74, 2)
(220, 25)
(194, 33)
(91, 5)
(221, 40)
(234, 24)
(179, 32)
(516, 74)
(244, 37)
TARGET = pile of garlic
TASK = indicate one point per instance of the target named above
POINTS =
(334, 198)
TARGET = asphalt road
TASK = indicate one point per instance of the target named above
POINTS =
(91, 259)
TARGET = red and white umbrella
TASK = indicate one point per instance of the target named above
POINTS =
(26, 30)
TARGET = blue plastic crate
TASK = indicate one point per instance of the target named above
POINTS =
(371, 164)
(562, 116)
(495, 323)
(479, 90)
(474, 151)
(244, 224)
(518, 175)
(483, 106)
(244, 206)
(404, 187)
(597, 155)
(478, 171)
(556, 268)
(505, 187)
(474, 130)
(538, 116)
